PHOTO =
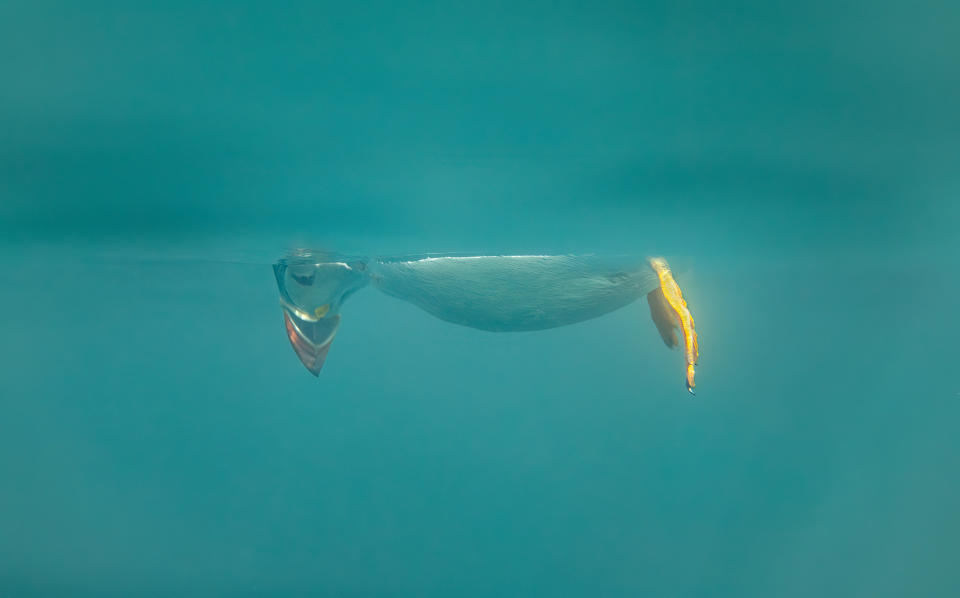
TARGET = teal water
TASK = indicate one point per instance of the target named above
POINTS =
(795, 162)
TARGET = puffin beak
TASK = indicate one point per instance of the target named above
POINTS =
(310, 338)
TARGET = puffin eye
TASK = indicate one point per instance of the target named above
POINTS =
(305, 280)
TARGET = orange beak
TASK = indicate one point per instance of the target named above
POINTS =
(311, 339)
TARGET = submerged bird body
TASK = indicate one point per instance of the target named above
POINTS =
(503, 293)
(513, 293)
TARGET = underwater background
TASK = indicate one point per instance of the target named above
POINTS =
(796, 162)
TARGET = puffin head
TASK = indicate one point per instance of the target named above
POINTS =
(312, 290)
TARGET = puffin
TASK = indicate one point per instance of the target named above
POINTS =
(496, 293)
